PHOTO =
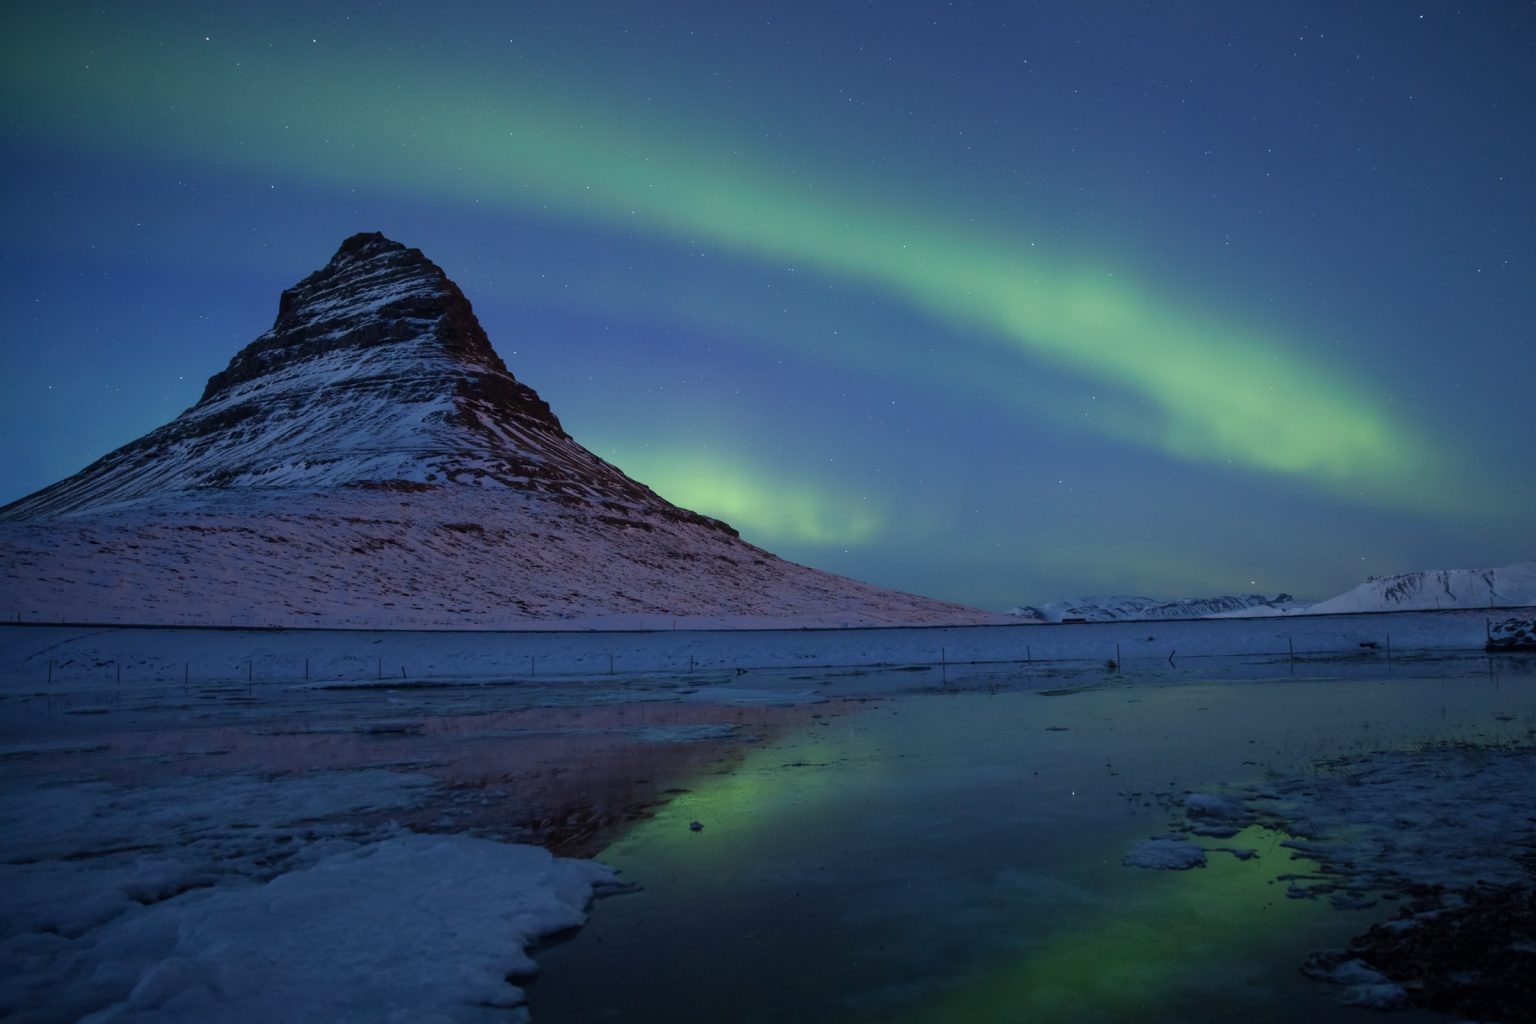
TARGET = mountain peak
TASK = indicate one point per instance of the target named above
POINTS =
(376, 370)
(373, 292)
(365, 240)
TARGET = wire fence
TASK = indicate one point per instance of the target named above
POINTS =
(336, 659)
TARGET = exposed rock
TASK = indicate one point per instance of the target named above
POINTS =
(1475, 958)
(1513, 635)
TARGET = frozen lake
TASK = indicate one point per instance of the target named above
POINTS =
(913, 842)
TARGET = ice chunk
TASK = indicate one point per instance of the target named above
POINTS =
(1362, 984)
(1166, 853)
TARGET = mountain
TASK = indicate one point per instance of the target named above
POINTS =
(1501, 587)
(1118, 608)
(376, 370)
(1506, 586)
(371, 461)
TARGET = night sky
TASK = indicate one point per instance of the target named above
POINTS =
(995, 302)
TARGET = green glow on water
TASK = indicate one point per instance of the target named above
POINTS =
(946, 857)
(1138, 960)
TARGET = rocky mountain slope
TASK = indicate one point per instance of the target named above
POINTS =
(371, 461)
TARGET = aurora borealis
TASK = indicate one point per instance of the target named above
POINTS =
(995, 302)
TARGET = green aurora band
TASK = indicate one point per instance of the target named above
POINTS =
(1178, 383)
(777, 508)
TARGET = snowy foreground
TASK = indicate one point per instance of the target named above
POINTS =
(245, 899)
(192, 831)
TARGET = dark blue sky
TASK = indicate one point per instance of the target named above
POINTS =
(998, 302)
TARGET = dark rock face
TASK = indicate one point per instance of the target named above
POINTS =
(375, 371)
(372, 293)
(1512, 635)
(1474, 958)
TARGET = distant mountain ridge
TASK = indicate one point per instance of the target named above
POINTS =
(1512, 585)
(371, 461)
(1126, 608)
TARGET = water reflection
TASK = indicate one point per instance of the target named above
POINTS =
(956, 856)
(898, 845)
(568, 776)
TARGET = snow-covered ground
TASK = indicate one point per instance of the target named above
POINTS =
(441, 557)
(252, 898)
(1390, 820)
(32, 654)
(204, 848)
(214, 852)
(213, 837)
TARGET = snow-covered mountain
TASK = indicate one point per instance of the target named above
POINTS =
(1125, 608)
(1502, 587)
(376, 370)
(1506, 586)
(371, 461)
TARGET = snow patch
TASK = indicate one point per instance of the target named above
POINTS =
(259, 898)
(416, 927)
(1165, 853)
